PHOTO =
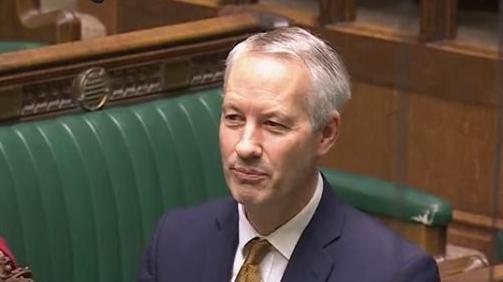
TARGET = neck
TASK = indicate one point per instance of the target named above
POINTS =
(267, 218)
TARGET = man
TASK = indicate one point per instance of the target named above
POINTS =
(283, 92)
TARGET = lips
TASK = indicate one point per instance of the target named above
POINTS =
(248, 174)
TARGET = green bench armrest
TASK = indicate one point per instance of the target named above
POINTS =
(384, 198)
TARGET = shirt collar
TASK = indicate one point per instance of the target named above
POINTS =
(285, 238)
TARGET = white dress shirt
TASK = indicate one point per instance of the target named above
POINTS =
(284, 239)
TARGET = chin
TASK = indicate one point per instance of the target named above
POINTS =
(246, 195)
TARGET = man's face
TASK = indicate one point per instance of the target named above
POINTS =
(268, 146)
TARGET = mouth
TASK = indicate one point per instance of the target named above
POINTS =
(246, 175)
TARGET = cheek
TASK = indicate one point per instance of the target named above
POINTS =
(292, 154)
(227, 141)
(283, 155)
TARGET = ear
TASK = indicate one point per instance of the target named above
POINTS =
(329, 134)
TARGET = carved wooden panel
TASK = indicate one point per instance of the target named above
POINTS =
(136, 65)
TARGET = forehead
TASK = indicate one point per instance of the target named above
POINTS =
(264, 64)
(267, 78)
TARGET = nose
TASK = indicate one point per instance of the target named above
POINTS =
(249, 145)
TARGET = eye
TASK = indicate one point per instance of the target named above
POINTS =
(274, 124)
(232, 117)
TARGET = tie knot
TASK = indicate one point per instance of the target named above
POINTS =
(255, 250)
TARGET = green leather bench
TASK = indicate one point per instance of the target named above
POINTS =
(81, 193)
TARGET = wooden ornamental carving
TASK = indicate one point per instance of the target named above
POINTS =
(137, 65)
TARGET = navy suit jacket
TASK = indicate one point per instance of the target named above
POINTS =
(339, 244)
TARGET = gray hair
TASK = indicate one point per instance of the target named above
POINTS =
(330, 86)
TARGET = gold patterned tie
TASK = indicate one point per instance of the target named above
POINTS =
(255, 251)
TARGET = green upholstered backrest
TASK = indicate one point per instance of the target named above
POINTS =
(81, 193)
(9, 46)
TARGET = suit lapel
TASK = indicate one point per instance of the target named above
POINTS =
(222, 244)
(311, 259)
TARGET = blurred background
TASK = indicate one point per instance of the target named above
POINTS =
(427, 82)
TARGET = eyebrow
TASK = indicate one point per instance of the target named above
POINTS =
(270, 113)
(276, 113)
(229, 106)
